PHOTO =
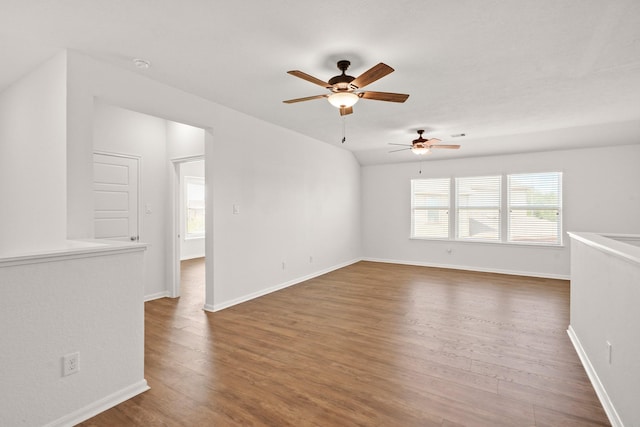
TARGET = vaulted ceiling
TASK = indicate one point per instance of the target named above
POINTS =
(508, 74)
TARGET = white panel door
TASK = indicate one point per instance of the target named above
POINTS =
(115, 193)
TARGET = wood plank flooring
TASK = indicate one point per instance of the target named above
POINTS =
(371, 344)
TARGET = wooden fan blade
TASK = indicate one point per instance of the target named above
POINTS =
(307, 77)
(453, 147)
(371, 75)
(346, 110)
(384, 96)
(402, 149)
(308, 98)
(404, 145)
(433, 141)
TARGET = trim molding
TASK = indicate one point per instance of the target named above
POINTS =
(619, 245)
(245, 298)
(610, 410)
(68, 251)
(157, 295)
(100, 405)
(466, 268)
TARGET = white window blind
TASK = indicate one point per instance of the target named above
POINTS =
(478, 208)
(430, 208)
(535, 202)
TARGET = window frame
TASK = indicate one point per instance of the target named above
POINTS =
(504, 212)
(533, 207)
(428, 209)
(479, 207)
(197, 180)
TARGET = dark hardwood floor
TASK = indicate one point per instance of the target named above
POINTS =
(371, 344)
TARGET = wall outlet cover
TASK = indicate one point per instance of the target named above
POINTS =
(70, 364)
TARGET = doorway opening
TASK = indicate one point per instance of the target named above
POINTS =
(189, 242)
(192, 284)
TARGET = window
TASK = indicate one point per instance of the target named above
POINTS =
(478, 208)
(194, 203)
(534, 207)
(516, 208)
(430, 208)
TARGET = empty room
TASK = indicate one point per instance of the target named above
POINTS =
(410, 213)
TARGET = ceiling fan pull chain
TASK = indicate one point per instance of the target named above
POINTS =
(344, 132)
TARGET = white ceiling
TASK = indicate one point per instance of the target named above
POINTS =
(490, 69)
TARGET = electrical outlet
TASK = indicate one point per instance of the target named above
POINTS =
(283, 265)
(70, 364)
(310, 259)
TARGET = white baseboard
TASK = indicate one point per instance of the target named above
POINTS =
(239, 300)
(157, 295)
(610, 410)
(227, 304)
(466, 268)
(101, 405)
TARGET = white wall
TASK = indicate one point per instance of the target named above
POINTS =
(121, 131)
(298, 197)
(32, 159)
(605, 294)
(91, 305)
(87, 303)
(193, 247)
(601, 193)
(184, 141)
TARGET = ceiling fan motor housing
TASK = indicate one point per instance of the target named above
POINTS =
(420, 139)
(341, 82)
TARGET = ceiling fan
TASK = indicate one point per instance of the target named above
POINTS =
(421, 146)
(345, 89)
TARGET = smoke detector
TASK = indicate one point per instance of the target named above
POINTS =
(141, 64)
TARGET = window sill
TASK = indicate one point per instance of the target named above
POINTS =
(196, 237)
(490, 243)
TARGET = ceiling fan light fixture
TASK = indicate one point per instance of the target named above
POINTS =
(343, 99)
(420, 150)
